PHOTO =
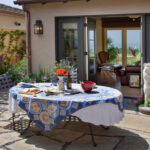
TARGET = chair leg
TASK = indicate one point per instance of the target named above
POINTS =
(92, 136)
(67, 121)
(104, 127)
(23, 131)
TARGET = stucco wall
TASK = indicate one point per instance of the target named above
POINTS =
(7, 21)
(43, 46)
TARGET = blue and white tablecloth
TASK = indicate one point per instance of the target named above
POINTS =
(47, 111)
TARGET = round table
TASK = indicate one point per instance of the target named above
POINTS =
(103, 106)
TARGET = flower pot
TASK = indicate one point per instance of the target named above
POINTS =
(144, 109)
(61, 85)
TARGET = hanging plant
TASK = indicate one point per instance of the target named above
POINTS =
(2, 38)
(12, 47)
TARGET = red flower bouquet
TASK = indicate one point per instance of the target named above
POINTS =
(61, 72)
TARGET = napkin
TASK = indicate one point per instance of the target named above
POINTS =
(54, 83)
(26, 85)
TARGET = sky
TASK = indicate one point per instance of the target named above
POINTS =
(133, 38)
(10, 3)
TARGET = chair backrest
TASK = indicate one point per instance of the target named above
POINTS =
(5, 82)
(74, 78)
(103, 56)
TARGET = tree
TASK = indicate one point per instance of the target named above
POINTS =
(112, 50)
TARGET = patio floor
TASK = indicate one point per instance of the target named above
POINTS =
(133, 133)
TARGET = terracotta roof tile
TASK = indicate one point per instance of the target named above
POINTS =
(9, 9)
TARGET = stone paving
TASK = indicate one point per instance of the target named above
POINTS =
(133, 133)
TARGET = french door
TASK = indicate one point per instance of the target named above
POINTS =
(92, 50)
(69, 43)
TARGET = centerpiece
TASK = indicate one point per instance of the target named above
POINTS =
(63, 69)
(61, 73)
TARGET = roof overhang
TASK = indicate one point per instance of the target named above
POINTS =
(11, 13)
(22, 2)
(5, 9)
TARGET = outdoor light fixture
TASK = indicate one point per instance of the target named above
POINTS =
(17, 23)
(38, 27)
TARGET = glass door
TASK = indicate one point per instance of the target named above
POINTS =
(69, 43)
(92, 50)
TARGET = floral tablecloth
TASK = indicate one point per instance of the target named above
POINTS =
(47, 111)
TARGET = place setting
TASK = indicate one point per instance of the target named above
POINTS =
(50, 89)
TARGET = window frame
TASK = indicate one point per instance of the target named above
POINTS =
(124, 41)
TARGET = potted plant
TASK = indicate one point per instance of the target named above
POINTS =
(65, 64)
(143, 105)
(63, 69)
(61, 73)
(145, 108)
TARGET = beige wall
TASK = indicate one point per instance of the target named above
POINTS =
(7, 21)
(43, 46)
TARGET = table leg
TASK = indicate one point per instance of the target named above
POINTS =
(104, 127)
(67, 121)
(92, 136)
(13, 121)
(29, 123)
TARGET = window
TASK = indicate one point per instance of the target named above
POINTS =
(114, 46)
(123, 45)
(133, 46)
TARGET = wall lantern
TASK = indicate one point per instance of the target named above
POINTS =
(38, 27)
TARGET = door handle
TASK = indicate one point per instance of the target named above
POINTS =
(85, 53)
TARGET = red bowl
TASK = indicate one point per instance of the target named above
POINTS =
(87, 86)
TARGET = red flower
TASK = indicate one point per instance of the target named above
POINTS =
(21, 73)
(61, 72)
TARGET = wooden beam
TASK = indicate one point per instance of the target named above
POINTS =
(21, 2)
(121, 22)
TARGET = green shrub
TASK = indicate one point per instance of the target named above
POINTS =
(4, 68)
(112, 51)
(140, 100)
(148, 102)
(133, 61)
(19, 71)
